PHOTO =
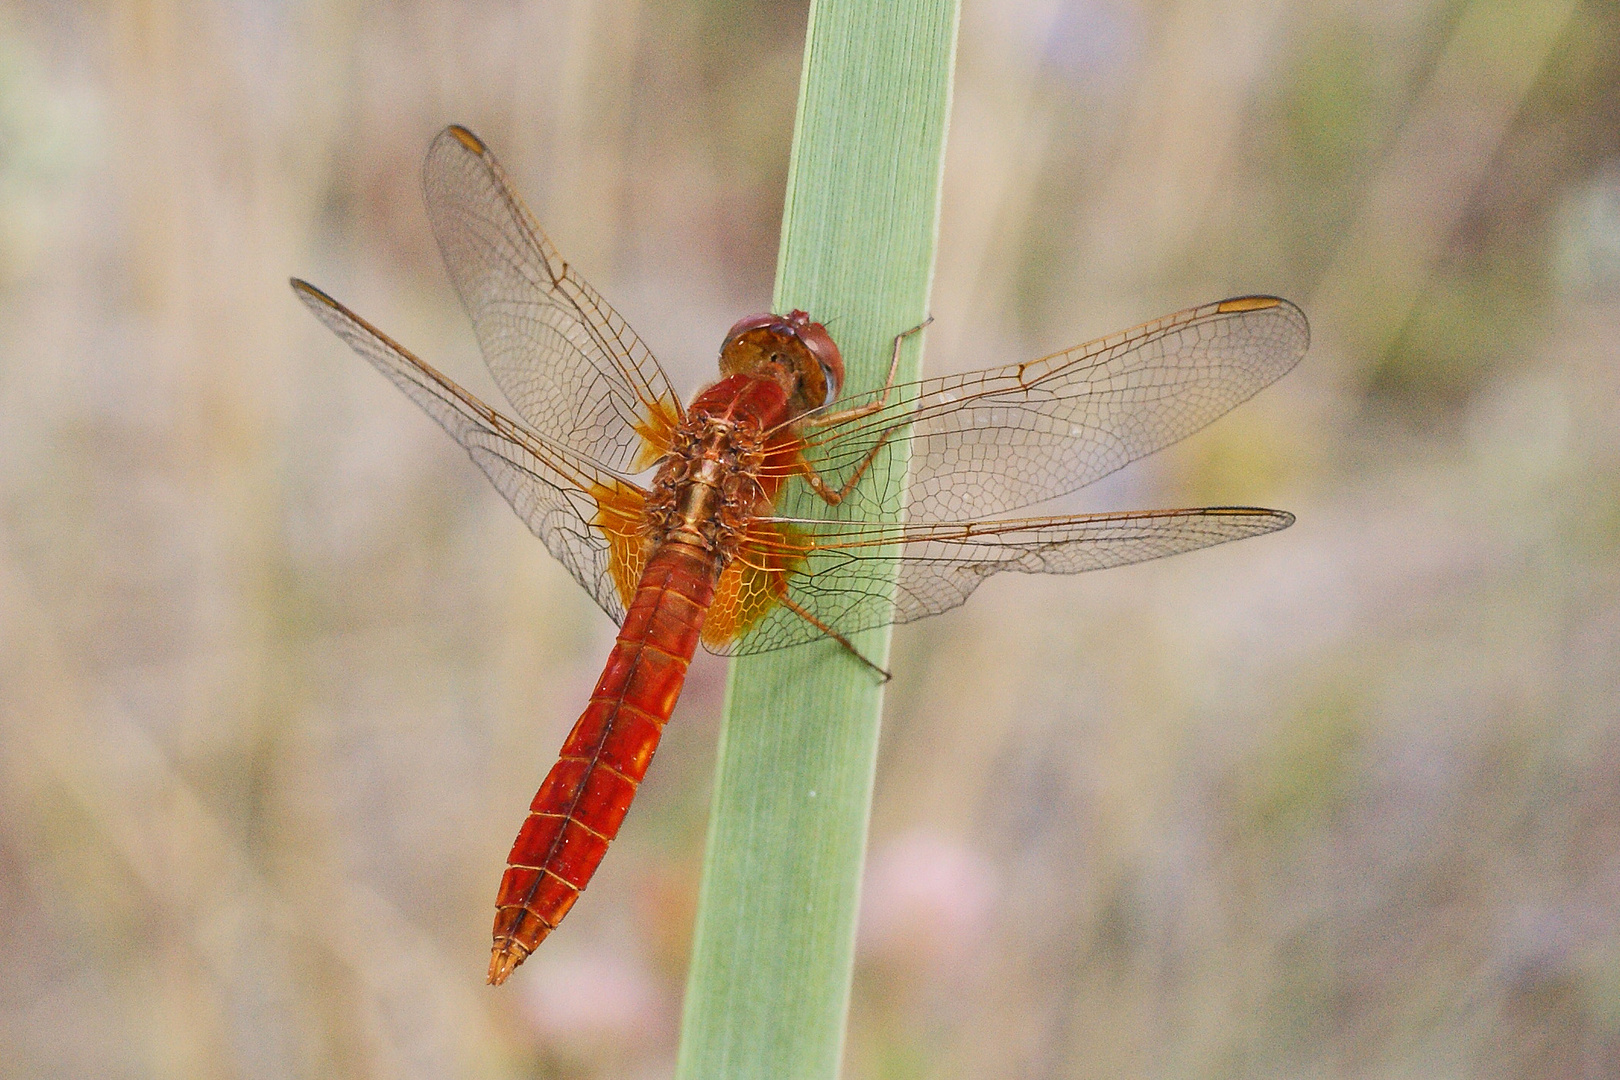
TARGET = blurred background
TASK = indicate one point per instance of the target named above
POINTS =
(279, 672)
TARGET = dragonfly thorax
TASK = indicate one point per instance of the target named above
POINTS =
(707, 485)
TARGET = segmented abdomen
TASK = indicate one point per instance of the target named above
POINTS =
(577, 811)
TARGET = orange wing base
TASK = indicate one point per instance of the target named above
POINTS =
(619, 516)
(754, 581)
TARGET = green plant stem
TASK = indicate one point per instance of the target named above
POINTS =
(768, 990)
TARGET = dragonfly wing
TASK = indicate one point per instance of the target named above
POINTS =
(570, 365)
(990, 442)
(841, 571)
(586, 514)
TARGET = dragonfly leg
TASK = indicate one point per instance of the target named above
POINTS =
(822, 488)
(836, 636)
(874, 405)
(814, 478)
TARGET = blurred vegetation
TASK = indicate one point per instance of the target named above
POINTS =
(278, 672)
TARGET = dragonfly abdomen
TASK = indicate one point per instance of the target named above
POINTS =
(583, 799)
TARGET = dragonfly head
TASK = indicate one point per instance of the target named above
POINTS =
(791, 349)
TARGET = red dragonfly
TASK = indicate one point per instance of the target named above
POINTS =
(700, 552)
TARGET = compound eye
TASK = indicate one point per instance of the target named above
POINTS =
(752, 322)
(820, 344)
(833, 379)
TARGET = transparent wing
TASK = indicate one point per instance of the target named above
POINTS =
(577, 507)
(994, 441)
(839, 573)
(569, 364)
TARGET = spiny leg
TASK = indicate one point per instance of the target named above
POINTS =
(836, 636)
(820, 486)
(888, 384)
(814, 478)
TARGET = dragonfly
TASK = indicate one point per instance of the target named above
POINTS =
(687, 524)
